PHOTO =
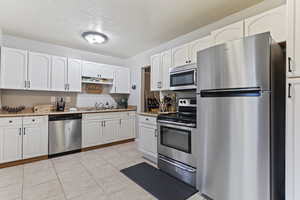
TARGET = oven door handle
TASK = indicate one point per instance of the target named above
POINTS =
(178, 125)
(178, 165)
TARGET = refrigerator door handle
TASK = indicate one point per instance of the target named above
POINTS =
(234, 92)
(289, 91)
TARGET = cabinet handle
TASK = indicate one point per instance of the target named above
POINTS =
(10, 121)
(155, 133)
(290, 64)
(29, 84)
(289, 91)
(25, 85)
(20, 131)
(120, 121)
(24, 130)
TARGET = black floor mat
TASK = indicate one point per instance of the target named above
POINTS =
(158, 183)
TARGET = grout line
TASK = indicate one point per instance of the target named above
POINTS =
(61, 185)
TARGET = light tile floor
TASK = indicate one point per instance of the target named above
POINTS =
(92, 175)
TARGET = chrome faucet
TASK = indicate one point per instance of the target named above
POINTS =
(99, 106)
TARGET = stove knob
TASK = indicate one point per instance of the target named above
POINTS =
(180, 102)
(184, 102)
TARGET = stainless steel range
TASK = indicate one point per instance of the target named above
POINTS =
(176, 142)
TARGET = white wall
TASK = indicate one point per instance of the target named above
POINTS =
(1, 36)
(143, 59)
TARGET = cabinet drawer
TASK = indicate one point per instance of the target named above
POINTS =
(11, 121)
(147, 120)
(34, 120)
(103, 116)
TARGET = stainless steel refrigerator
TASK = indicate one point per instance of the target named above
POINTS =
(241, 120)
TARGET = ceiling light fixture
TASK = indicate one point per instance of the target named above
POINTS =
(94, 37)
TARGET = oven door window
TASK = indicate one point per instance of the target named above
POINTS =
(182, 79)
(178, 139)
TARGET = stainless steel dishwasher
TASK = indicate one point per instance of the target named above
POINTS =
(64, 133)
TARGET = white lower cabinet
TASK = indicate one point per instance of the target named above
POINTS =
(23, 137)
(92, 133)
(293, 140)
(111, 127)
(148, 136)
(35, 137)
(11, 143)
(106, 128)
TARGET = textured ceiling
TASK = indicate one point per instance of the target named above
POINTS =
(131, 25)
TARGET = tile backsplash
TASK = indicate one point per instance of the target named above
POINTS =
(32, 98)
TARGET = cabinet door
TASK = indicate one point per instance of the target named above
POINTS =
(293, 43)
(13, 68)
(148, 139)
(126, 129)
(39, 66)
(90, 69)
(58, 73)
(293, 141)
(74, 75)
(92, 133)
(166, 64)
(199, 45)
(35, 136)
(156, 72)
(273, 21)
(12, 143)
(122, 81)
(106, 71)
(180, 55)
(228, 33)
(111, 130)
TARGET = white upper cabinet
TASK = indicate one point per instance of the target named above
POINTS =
(106, 71)
(39, 68)
(273, 21)
(121, 81)
(180, 55)
(199, 45)
(228, 33)
(97, 70)
(155, 77)
(89, 69)
(74, 75)
(13, 68)
(166, 64)
(293, 42)
(59, 73)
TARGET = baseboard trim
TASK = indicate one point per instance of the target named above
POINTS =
(22, 162)
(31, 160)
(107, 145)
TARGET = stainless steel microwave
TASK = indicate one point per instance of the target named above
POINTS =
(184, 77)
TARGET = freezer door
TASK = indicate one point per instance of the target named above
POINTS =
(235, 164)
(241, 63)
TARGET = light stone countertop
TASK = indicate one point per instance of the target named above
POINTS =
(29, 112)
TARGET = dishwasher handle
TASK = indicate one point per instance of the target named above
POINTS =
(61, 117)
